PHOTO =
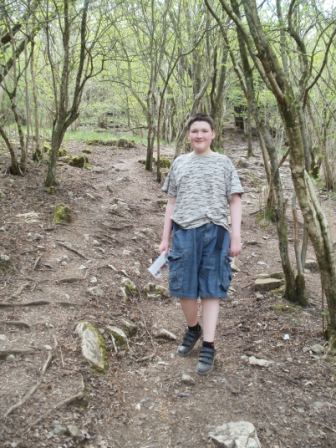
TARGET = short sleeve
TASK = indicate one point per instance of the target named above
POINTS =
(169, 185)
(235, 186)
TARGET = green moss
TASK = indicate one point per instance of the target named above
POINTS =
(87, 326)
(164, 162)
(62, 214)
(51, 190)
(282, 307)
(80, 161)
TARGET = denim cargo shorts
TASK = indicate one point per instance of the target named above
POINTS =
(198, 265)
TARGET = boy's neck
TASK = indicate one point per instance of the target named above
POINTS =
(203, 153)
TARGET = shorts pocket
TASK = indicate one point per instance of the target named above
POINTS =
(176, 269)
(225, 273)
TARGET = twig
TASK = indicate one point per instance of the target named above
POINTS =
(19, 290)
(77, 396)
(33, 389)
(71, 249)
(38, 259)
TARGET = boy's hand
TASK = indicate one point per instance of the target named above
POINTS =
(236, 246)
(164, 246)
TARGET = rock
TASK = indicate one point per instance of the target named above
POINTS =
(259, 296)
(154, 291)
(253, 361)
(10, 358)
(267, 284)
(235, 435)
(118, 334)
(188, 380)
(3, 338)
(80, 161)
(165, 334)
(317, 349)
(129, 286)
(129, 327)
(5, 262)
(311, 265)
(93, 280)
(93, 345)
(62, 214)
(74, 431)
(234, 265)
(95, 291)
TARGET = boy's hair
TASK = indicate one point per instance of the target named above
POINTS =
(200, 117)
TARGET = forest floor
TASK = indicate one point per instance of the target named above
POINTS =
(73, 272)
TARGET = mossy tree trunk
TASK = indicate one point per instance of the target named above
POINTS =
(291, 106)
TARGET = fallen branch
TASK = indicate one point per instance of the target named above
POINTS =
(38, 259)
(15, 351)
(71, 249)
(77, 396)
(33, 303)
(37, 303)
(15, 323)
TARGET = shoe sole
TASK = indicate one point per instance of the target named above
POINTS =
(206, 372)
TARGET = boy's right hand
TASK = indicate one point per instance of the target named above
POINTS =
(164, 246)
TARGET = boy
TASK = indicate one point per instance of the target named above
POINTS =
(201, 185)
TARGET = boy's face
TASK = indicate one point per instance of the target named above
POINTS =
(200, 136)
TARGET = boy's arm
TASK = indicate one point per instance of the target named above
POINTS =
(236, 215)
(168, 223)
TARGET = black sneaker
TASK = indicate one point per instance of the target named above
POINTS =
(189, 340)
(206, 360)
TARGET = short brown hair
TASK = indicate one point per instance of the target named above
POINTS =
(200, 117)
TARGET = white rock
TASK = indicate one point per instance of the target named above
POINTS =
(187, 379)
(93, 345)
(93, 280)
(317, 349)
(235, 435)
(253, 361)
(267, 284)
(95, 291)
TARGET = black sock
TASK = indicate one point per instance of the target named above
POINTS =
(208, 344)
(196, 328)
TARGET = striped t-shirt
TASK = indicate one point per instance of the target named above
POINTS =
(202, 185)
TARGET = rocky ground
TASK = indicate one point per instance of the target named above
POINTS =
(272, 369)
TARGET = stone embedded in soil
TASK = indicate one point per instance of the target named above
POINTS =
(154, 291)
(188, 380)
(253, 361)
(129, 286)
(235, 435)
(118, 334)
(317, 349)
(267, 284)
(93, 345)
(95, 291)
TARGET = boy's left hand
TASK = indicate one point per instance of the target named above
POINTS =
(236, 246)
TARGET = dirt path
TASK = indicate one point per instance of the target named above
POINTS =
(142, 401)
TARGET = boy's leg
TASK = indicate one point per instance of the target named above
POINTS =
(194, 330)
(190, 311)
(210, 311)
